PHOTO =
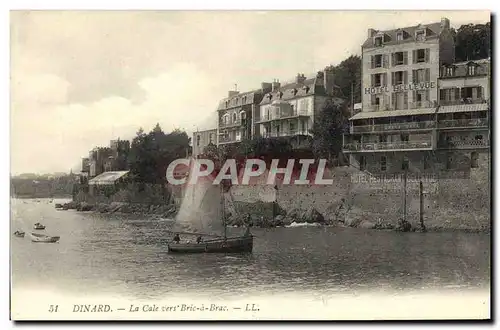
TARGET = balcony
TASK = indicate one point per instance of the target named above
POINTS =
(462, 101)
(464, 144)
(285, 133)
(388, 146)
(229, 139)
(422, 104)
(236, 123)
(294, 114)
(464, 123)
(393, 127)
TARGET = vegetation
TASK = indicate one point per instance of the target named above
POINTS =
(472, 42)
(42, 186)
(150, 154)
(330, 125)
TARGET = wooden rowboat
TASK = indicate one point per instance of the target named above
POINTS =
(40, 238)
(240, 244)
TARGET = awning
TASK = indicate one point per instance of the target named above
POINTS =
(393, 113)
(107, 178)
(463, 108)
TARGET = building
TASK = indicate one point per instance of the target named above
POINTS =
(397, 128)
(202, 139)
(98, 157)
(289, 110)
(235, 114)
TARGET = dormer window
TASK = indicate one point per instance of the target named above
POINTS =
(294, 91)
(399, 36)
(280, 94)
(306, 88)
(243, 115)
(244, 100)
(420, 35)
(378, 41)
(269, 96)
(471, 70)
(450, 71)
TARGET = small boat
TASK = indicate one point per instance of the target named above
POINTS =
(38, 226)
(220, 244)
(19, 233)
(40, 238)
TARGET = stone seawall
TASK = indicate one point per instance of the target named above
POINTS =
(455, 203)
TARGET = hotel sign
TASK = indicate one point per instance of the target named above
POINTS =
(400, 88)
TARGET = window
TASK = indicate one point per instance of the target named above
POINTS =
(420, 55)
(478, 137)
(449, 161)
(362, 163)
(420, 35)
(472, 70)
(211, 138)
(399, 36)
(377, 61)
(405, 137)
(405, 164)
(197, 140)
(474, 160)
(399, 78)
(378, 41)
(243, 115)
(377, 80)
(244, 99)
(450, 71)
(383, 163)
(399, 58)
(382, 138)
(426, 162)
(419, 76)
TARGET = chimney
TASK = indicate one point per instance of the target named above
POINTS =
(320, 78)
(275, 86)
(266, 87)
(232, 93)
(445, 23)
(371, 33)
(300, 78)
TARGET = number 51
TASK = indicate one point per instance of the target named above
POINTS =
(53, 308)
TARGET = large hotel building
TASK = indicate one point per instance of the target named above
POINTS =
(421, 111)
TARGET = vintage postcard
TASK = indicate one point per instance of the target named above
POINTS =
(250, 165)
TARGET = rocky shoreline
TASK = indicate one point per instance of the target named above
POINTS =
(284, 219)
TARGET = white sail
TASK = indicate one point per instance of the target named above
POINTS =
(200, 210)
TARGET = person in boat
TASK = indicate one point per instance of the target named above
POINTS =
(199, 239)
(177, 239)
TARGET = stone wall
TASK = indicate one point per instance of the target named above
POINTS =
(448, 203)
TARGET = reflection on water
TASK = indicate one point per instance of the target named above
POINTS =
(126, 255)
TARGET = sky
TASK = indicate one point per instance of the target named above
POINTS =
(79, 79)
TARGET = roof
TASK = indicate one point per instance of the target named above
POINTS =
(461, 68)
(107, 178)
(393, 113)
(294, 90)
(251, 97)
(463, 108)
(433, 31)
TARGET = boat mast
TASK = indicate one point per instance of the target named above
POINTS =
(223, 211)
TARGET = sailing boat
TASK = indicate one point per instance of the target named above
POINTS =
(219, 243)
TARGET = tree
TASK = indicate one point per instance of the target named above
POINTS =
(150, 154)
(347, 75)
(472, 42)
(328, 129)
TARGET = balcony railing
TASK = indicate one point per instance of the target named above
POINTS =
(464, 144)
(462, 101)
(383, 146)
(230, 124)
(272, 117)
(285, 133)
(393, 127)
(422, 104)
(228, 139)
(478, 122)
